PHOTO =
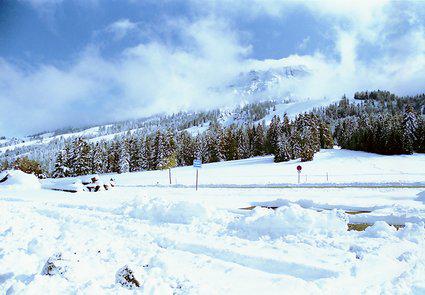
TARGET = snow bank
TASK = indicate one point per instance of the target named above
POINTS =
(395, 214)
(71, 185)
(413, 232)
(161, 211)
(421, 197)
(17, 179)
(380, 229)
(289, 220)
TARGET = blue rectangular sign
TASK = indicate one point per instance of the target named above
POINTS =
(197, 163)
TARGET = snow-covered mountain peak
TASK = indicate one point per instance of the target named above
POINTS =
(263, 82)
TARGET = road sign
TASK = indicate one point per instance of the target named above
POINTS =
(197, 163)
(299, 168)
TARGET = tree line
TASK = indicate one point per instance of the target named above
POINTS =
(381, 123)
(286, 139)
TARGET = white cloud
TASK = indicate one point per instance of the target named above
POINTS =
(121, 27)
(155, 77)
(146, 79)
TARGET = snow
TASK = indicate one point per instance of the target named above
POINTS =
(176, 240)
(329, 167)
(160, 211)
(72, 185)
(395, 214)
(291, 220)
(195, 130)
(17, 179)
(421, 197)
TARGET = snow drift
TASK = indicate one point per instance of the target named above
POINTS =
(17, 179)
(160, 211)
(289, 220)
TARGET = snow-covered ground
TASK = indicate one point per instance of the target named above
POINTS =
(181, 241)
(329, 167)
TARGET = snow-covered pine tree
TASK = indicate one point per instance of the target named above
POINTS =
(80, 161)
(282, 151)
(201, 148)
(159, 156)
(295, 143)
(146, 154)
(132, 146)
(410, 124)
(60, 165)
(242, 144)
(229, 144)
(96, 159)
(325, 134)
(272, 135)
(124, 159)
(114, 152)
(420, 138)
(259, 140)
(186, 149)
(213, 144)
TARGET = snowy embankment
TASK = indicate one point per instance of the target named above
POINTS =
(329, 168)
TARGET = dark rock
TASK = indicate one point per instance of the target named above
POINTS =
(125, 278)
(53, 267)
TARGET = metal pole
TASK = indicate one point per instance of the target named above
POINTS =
(299, 176)
(327, 176)
(196, 179)
(169, 174)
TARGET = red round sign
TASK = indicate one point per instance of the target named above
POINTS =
(299, 167)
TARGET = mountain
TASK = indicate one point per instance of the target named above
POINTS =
(267, 84)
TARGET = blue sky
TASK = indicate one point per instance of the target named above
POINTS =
(73, 63)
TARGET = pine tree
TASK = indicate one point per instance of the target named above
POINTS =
(242, 144)
(213, 144)
(410, 124)
(124, 160)
(325, 134)
(282, 151)
(258, 140)
(60, 166)
(420, 137)
(272, 135)
(114, 152)
(96, 159)
(145, 157)
(80, 161)
(187, 149)
(229, 145)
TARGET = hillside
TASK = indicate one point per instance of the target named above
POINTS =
(44, 147)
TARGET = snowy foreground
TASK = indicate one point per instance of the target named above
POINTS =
(180, 241)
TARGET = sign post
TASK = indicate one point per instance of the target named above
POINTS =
(197, 164)
(299, 168)
(169, 174)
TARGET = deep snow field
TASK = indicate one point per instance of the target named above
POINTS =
(181, 241)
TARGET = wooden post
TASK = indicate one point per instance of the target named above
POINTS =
(169, 174)
(196, 179)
